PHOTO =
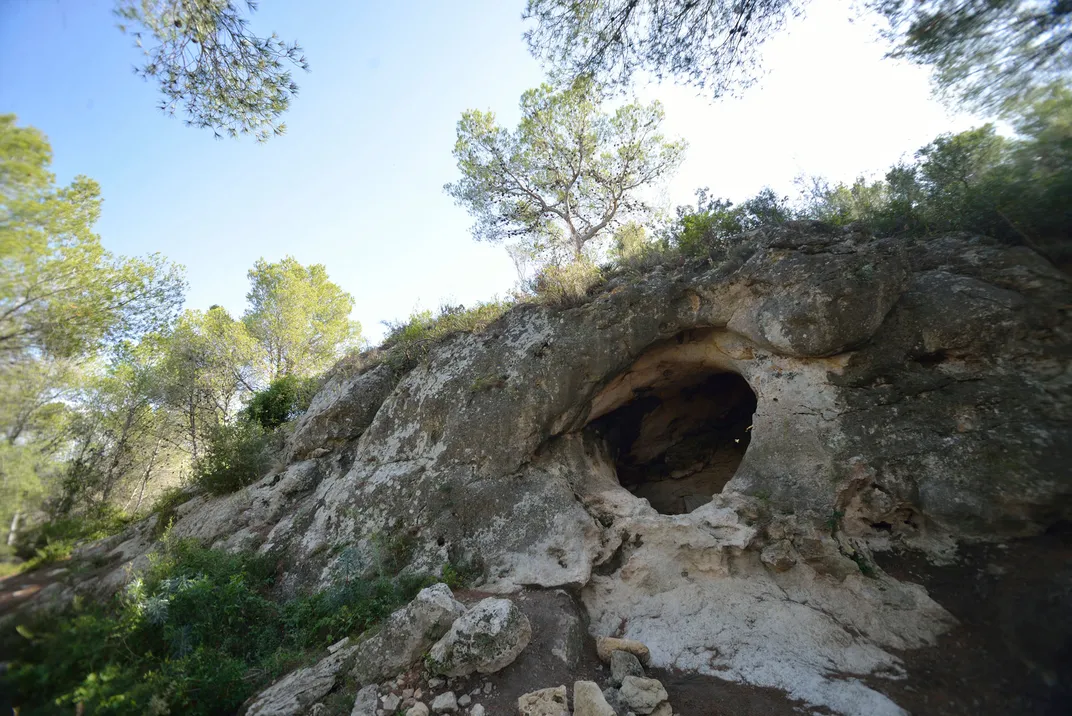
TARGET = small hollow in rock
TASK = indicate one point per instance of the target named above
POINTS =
(679, 443)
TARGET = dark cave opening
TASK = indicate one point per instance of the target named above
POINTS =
(678, 444)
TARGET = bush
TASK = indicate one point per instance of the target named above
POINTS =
(284, 400)
(710, 226)
(54, 541)
(1014, 190)
(408, 342)
(566, 285)
(198, 633)
(236, 456)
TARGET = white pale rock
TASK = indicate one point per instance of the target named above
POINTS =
(663, 709)
(545, 702)
(642, 695)
(391, 702)
(486, 638)
(465, 700)
(367, 701)
(588, 700)
(417, 709)
(445, 703)
(477, 710)
(406, 635)
(299, 690)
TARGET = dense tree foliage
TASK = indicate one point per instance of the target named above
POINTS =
(568, 175)
(63, 300)
(299, 318)
(1012, 189)
(210, 64)
(711, 43)
(108, 395)
(61, 293)
(991, 53)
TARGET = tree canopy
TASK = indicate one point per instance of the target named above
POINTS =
(990, 53)
(570, 173)
(61, 293)
(300, 319)
(210, 64)
(711, 43)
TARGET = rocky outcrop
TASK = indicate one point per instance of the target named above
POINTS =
(296, 692)
(485, 639)
(340, 411)
(406, 635)
(545, 702)
(709, 454)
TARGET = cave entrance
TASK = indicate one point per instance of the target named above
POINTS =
(678, 443)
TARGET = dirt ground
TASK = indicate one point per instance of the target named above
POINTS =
(1012, 652)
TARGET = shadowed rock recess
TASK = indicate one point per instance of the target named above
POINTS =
(707, 456)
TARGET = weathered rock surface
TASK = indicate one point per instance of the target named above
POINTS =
(488, 637)
(641, 694)
(341, 410)
(906, 394)
(588, 700)
(623, 664)
(606, 646)
(545, 702)
(367, 701)
(406, 635)
(299, 690)
(446, 702)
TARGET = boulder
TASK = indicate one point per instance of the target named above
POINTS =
(545, 702)
(623, 664)
(488, 637)
(341, 410)
(588, 700)
(406, 635)
(445, 703)
(418, 709)
(641, 694)
(367, 701)
(607, 645)
(299, 690)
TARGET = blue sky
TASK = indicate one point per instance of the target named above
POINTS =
(356, 184)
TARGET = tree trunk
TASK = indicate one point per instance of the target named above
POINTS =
(13, 531)
(145, 477)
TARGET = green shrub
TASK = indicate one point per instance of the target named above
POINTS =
(566, 285)
(55, 540)
(284, 400)
(1014, 190)
(236, 456)
(713, 223)
(408, 342)
(198, 633)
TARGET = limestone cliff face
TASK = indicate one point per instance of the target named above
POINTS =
(887, 393)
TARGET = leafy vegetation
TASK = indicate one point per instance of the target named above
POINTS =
(236, 456)
(567, 176)
(713, 44)
(206, 61)
(407, 342)
(108, 395)
(282, 401)
(198, 633)
(299, 318)
(992, 55)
